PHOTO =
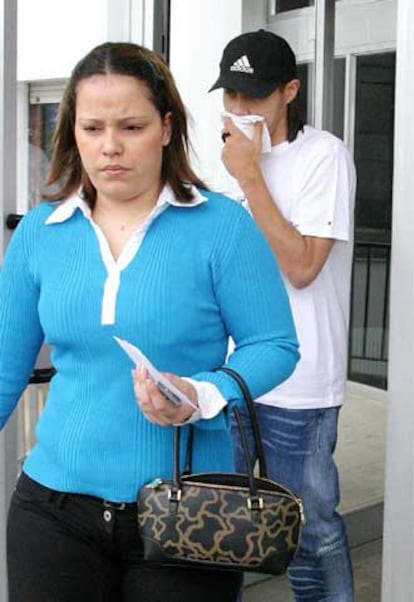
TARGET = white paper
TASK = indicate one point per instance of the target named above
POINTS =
(164, 385)
(245, 123)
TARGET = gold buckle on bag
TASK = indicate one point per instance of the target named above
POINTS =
(174, 495)
(255, 503)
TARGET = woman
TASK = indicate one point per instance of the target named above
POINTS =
(133, 246)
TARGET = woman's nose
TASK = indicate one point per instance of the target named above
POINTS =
(112, 145)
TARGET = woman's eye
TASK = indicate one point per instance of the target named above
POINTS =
(132, 127)
(90, 128)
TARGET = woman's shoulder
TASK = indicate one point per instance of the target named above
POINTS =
(39, 213)
(32, 228)
(226, 219)
(220, 205)
(33, 222)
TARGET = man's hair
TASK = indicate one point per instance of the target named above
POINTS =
(295, 121)
(146, 66)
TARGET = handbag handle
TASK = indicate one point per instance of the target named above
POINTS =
(253, 419)
(174, 494)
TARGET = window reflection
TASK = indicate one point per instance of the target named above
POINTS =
(374, 140)
(306, 74)
(42, 119)
(286, 5)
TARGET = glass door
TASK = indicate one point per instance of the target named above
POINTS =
(374, 159)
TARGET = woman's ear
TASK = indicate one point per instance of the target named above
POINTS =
(167, 128)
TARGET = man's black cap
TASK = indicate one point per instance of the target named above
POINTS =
(256, 63)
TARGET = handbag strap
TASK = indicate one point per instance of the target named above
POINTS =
(247, 456)
(253, 418)
(254, 502)
(256, 436)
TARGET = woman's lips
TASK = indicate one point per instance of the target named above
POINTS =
(114, 169)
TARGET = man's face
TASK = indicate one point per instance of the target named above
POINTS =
(273, 107)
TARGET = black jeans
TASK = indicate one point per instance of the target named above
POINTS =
(71, 548)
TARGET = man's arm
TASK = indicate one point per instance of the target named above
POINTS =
(301, 258)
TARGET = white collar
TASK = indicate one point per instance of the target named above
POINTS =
(67, 208)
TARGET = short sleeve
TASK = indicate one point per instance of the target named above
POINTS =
(325, 192)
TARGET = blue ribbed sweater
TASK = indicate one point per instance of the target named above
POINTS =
(199, 276)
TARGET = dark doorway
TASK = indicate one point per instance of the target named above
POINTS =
(374, 135)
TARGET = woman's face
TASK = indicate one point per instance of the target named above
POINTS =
(120, 137)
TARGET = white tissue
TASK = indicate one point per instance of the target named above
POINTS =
(245, 123)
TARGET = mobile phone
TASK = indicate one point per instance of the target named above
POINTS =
(170, 391)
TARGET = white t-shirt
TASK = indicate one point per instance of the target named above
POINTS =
(312, 181)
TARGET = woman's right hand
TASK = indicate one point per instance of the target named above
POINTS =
(154, 405)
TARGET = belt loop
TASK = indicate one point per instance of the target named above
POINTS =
(60, 500)
(114, 505)
(56, 497)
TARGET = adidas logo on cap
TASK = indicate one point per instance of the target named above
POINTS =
(242, 64)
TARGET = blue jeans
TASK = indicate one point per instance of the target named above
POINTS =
(299, 447)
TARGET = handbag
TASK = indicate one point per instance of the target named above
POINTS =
(228, 521)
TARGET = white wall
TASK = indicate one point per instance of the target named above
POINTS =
(199, 32)
(398, 556)
(54, 34)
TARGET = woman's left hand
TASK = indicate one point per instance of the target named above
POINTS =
(154, 405)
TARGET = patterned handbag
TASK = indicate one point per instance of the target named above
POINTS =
(221, 520)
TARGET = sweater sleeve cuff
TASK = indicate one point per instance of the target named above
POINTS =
(210, 400)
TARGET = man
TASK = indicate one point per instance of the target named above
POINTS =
(301, 194)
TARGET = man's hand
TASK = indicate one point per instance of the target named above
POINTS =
(240, 155)
(154, 405)
(300, 257)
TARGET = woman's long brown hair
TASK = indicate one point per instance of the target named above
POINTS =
(66, 171)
